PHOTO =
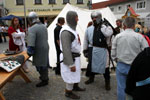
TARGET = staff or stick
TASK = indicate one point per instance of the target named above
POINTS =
(25, 18)
(110, 58)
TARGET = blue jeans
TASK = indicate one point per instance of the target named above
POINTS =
(121, 74)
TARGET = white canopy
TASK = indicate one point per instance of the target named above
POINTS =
(84, 17)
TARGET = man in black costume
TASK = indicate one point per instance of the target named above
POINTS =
(59, 24)
(138, 79)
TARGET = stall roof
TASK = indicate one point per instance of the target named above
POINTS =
(9, 17)
(44, 13)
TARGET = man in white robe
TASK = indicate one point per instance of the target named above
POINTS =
(70, 46)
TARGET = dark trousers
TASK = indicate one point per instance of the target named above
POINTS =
(88, 71)
(57, 70)
(1, 38)
(4, 36)
(43, 71)
(106, 75)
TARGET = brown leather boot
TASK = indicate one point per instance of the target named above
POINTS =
(77, 88)
(107, 85)
(70, 94)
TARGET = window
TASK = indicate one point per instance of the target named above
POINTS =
(89, 4)
(112, 9)
(52, 1)
(38, 2)
(19, 2)
(79, 1)
(119, 8)
(65, 1)
(140, 5)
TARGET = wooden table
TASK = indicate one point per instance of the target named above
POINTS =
(8, 76)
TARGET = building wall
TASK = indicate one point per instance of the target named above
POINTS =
(44, 7)
(133, 5)
(142, 12)
(45, 10)
(1, 8)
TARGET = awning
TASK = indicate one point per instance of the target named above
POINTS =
(44, 13)
(9, 17)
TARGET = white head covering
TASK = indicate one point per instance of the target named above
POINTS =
(33, 17)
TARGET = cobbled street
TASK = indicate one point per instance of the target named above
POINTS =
(17, 89)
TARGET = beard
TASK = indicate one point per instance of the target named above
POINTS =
(95, 23)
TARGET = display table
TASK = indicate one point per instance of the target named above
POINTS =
(8, 76)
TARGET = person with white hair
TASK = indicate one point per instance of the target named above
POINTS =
(38, 47)
(125, 47)
(96, 44)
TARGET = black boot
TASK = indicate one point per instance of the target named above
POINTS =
(70, 94)
(77, 88)
(42, 83)
(107, 85)
(57, 71)
(90, 80)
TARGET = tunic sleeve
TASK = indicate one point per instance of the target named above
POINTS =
(85, 43)
(17, 35)
(31, 38)
(143, 42)
(106, 30)
(66, 40)
(114, 49)
(10, 31)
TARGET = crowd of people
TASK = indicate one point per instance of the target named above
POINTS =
(3, 33)
(127, 45)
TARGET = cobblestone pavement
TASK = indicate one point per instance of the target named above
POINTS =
(19, 90)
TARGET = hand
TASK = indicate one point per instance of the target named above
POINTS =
(73, 69)
(30, 50)
(85, 52)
